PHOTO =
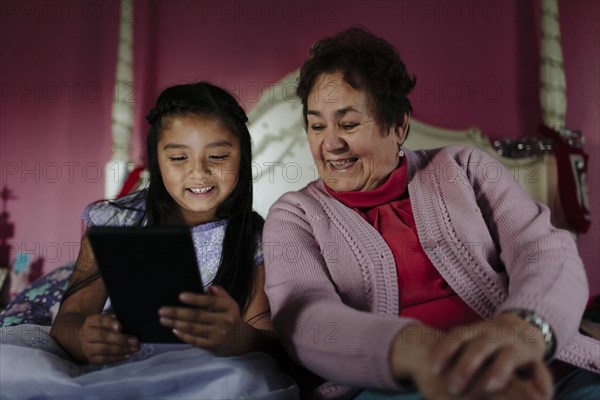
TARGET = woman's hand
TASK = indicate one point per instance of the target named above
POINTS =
(416, 355)
(102, 341)
(490, 353)
(520, 386)
(212, 321)
(411, 361)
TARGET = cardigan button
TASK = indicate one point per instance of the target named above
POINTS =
(430, 243)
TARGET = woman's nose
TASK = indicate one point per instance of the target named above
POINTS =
(333, 142)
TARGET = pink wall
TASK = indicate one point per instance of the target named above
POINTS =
(57, 73)
(582, 68)
(476, 64)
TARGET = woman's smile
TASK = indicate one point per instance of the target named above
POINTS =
(344, 164)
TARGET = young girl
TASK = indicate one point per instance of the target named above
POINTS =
(199, 159)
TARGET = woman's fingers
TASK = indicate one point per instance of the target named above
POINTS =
(446, 351)
(512, 361)
(489, 352)
(523, 385)
(471, 360)
(542, 379)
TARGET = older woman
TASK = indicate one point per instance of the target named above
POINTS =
(415, 271)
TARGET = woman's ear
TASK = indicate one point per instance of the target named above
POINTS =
(401, 131)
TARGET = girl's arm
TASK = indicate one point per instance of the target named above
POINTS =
(258, 317)
(79, 328)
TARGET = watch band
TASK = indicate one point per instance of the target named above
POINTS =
(536, 320)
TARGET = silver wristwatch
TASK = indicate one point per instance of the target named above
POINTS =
(544, 327)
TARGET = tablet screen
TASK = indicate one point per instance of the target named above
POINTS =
(144, 269)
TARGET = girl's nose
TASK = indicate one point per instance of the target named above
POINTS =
(201, 169)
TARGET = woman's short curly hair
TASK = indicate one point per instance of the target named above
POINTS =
(369, 63)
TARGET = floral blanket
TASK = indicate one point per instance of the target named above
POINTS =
(39, 302)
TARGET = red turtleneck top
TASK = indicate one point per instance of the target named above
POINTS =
(424, 294)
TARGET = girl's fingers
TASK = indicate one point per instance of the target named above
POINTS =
(99, 352)
(216, 299)
(207, 342)
(189, 314)
(109, 321)
(193, 328)
(211, 308)
(109, 354)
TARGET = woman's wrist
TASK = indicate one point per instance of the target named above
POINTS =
(543, 333)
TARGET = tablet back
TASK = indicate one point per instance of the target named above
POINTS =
(144, 269)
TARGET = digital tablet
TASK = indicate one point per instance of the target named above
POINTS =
(144, 269)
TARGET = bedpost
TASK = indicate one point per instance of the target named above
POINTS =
(553, 98)
(571, 159)
(118, 167)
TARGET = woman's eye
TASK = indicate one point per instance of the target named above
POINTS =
(218, 157)
(317, 127)
(177, 159)
(349, 126)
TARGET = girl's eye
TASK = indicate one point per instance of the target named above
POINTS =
(218, 157)
(177, 159)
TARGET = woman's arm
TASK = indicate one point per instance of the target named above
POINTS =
(545, 273)
(541, 263)
(340, 343)
(79, 328)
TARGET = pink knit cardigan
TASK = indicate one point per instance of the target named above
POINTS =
(331, 278)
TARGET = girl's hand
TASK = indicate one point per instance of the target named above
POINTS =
(490, 353)
(212, 321)
(102, 341)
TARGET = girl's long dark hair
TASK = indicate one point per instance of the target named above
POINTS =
(236, 270)
(245, 226)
